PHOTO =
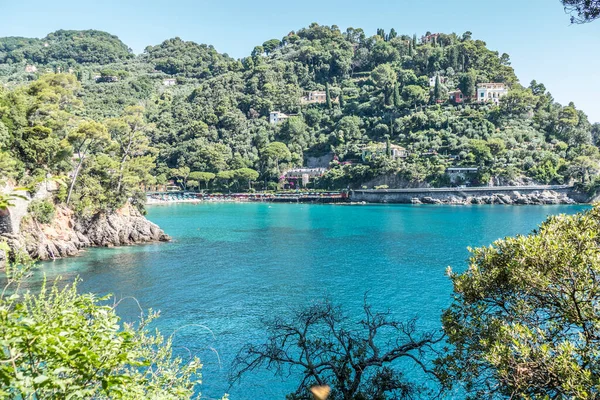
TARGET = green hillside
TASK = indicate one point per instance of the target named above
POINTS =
(206, 112)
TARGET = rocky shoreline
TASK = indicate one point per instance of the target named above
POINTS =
(68, 234)
(545, 197)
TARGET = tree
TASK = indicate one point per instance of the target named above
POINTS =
(61, 344)
(327, 96)
(246, 174)
(88, 137)
(182, 174)
(582, 11)
(384, 77)
(414, 95)
(517, 103)
(275, 152)
(270, 45)
(323, 347)
(202, 177)
(439, 92)
(129, 132)
(466, 84)
(523, 322)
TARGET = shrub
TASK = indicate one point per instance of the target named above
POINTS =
(42, 211)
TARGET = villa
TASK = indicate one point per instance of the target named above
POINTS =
(491, 92)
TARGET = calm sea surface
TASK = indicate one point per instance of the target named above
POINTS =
(232, 265)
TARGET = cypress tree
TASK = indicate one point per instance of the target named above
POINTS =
(414, 41)
(327, 96)
(437, 91)
(342, 102)
(396, 95)
(388, 147)
(410, 49)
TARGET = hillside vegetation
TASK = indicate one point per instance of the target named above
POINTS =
(201, 118)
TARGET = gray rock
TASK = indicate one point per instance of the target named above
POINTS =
(124, 227)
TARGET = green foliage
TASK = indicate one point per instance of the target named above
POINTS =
(523, 322)
(216, 117)
(175, 56)
(61, 344)
(70, 47)
(41, 210)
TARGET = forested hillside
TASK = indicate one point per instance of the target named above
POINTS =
(181, 111)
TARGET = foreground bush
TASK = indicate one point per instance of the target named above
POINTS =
(525, 320)
(58, 344)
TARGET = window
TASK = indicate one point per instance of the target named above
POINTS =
(482, 94)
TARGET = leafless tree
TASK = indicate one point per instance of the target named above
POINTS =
(358, 361)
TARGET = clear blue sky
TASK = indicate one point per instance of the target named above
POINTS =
(543, 45)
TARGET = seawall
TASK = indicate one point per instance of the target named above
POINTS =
(548, 194)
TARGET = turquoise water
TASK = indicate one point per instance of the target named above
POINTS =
(232, 265)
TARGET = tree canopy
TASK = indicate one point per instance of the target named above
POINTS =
(524, 320)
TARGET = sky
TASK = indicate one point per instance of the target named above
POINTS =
(537, 34)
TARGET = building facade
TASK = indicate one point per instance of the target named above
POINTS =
(315, 96)
(277, 116)
(491, 92)
(302, 176)
(456, 96)
(380, 149)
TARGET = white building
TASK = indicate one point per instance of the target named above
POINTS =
(491, 92)
(170, 82)
(315, 96)
(277, 116)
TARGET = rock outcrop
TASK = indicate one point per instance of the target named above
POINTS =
(475, 195)
(69, 233)
(515, 197)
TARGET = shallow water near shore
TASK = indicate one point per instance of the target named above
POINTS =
(231, 265)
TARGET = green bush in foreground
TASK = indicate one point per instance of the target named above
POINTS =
(525, 320)
(58, 344)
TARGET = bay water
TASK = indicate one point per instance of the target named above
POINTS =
(232, 265)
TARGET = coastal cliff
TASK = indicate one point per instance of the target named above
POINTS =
(68, 233)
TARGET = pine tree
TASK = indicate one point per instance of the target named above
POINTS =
(327, 96)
